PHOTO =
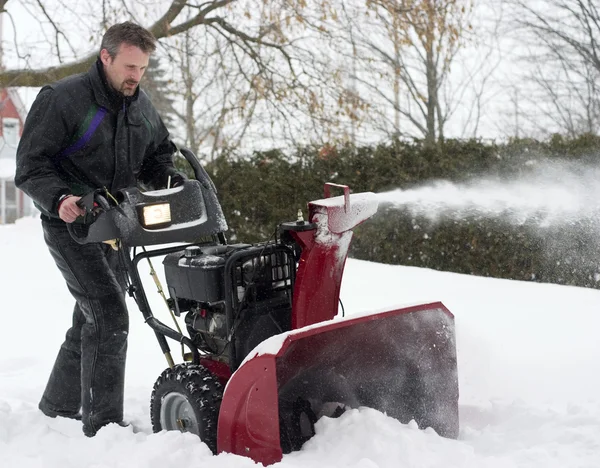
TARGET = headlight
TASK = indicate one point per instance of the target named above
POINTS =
(155, 215)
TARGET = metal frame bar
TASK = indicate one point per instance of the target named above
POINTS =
(139, 294)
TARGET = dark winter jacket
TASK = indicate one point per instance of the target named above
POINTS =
(81, 135)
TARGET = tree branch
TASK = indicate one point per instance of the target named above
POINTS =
(40, 77)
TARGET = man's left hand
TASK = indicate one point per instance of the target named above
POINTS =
(68, 210)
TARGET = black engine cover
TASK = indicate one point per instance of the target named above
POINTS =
(196, 274)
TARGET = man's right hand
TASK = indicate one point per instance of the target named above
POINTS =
(68, 210)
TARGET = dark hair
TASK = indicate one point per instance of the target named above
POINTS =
(128, 33)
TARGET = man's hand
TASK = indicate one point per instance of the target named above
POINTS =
(68, 210)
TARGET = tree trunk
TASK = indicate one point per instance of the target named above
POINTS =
(190, 121)
(397, 71)
(430, 137)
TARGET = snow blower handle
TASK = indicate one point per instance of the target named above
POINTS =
(93, 204)
(199, 172)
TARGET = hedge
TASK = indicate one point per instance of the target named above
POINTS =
(266, 188)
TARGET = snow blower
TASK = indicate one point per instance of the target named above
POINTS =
(267, 356)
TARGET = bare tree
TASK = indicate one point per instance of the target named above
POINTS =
(247, 67)
(406, 49)
(564, 47)
(210, 14)
(287, 72)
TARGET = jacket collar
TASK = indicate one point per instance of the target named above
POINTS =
(111, 99)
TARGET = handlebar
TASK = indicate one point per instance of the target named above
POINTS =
(199, 172)
(93, 203)
(192, 208)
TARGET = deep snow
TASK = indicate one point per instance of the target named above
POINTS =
(528, 356)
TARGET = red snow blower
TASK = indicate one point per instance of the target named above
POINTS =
(267, 356)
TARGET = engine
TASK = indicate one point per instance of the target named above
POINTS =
(233, 296)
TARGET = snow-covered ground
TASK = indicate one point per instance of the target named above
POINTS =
(528, 356)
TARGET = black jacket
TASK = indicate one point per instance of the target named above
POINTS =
(81, 135)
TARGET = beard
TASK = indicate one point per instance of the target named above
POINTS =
(128, 88)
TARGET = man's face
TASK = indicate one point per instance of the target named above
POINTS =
(125, 71)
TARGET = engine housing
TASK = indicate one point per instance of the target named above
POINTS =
(234, 296)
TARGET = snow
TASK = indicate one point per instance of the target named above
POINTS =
(361, 207)
(528, 357)
(163, 192)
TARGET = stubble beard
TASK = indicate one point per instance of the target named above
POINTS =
(122, 87)
(126, 90)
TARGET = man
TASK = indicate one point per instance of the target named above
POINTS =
(89, 131)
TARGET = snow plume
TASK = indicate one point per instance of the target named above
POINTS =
(549, 194)
(556, 201)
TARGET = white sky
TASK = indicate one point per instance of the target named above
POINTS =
(527, 355)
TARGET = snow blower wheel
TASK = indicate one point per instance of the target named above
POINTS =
(300, 426)
(187, 398)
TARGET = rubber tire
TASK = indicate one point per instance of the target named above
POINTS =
(293, 427)
(200, 389)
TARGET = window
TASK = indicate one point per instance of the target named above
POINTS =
(10, 130)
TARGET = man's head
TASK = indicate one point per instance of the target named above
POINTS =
(125, 52)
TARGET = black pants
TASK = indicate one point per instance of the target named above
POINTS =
(89, 372)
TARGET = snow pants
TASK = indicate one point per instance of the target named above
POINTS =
(89, 371)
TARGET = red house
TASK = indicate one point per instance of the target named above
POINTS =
(14, 204)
